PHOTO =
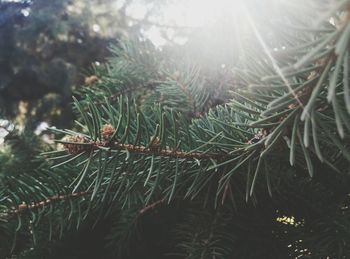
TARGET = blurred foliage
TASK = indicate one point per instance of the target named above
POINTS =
(46, 47)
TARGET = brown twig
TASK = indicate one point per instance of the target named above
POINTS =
(23, 208)
(163, 152)
(83, 146)
(151, 206)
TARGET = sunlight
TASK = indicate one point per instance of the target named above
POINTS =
(194, 13)
(186, 14)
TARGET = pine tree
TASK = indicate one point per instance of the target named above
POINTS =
(245, 157)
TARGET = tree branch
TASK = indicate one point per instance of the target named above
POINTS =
(152, 150)
(23, 208)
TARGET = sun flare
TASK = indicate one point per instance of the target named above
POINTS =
(187, 14)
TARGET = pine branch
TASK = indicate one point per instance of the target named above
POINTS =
(123, 91)
(185, 90)
(25, 208)
(138, 149)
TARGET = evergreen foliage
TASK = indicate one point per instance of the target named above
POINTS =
(180, 159)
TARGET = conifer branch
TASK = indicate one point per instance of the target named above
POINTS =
(125, 92)
(23, 208)
(163, 152)
(73, 147)
(186, 92)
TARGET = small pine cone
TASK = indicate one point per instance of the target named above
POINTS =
(107, 131)
(258, 136)
(90, 80)
(292, 106)
(72, 148)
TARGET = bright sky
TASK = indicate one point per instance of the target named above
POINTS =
(187, 13)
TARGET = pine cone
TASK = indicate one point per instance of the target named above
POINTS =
(90, 80)
(72, 148)
(107, 131)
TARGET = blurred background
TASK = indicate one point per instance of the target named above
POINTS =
(48, 48)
